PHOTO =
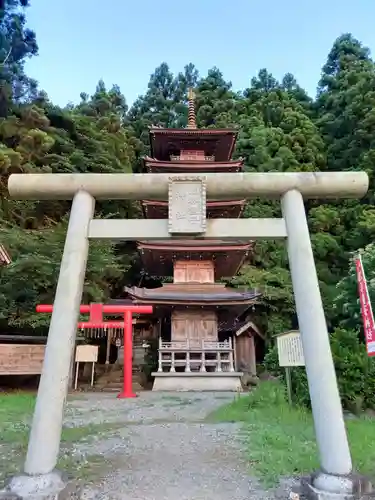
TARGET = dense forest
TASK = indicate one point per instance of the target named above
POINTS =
(281, 128)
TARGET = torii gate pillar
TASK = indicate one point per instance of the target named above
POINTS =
(325, 399)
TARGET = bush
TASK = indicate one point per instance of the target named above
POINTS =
(151, 359)
(268, 393)
(354, 369)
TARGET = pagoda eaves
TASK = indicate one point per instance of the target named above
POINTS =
(158, 257)
(167, 142)
(192, 294)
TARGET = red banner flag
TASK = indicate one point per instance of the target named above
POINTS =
(366, 309)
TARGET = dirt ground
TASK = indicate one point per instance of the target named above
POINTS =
(160, 446)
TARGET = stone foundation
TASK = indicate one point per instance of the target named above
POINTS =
(51, 486)
(197, 381)
(322, 486)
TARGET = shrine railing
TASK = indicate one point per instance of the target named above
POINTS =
(205, 356)
(192, 157)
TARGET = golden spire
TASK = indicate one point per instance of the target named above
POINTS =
(191, 110)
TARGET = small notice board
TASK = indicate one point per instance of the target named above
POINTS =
(290, 352)
(86, 354)
(289, 349)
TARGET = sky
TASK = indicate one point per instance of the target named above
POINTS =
(123, 41)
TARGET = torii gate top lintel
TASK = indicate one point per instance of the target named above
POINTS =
(230, 186)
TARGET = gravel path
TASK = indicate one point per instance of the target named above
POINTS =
(166, 450)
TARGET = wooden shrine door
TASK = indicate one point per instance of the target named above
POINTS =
(195, 326)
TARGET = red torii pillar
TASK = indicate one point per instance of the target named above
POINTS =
(96, 312)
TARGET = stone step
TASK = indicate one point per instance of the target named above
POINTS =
(136, 388)
(111, 384)
(117, 385)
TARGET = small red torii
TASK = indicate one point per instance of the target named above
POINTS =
(96, 312)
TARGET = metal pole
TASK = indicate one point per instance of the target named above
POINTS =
(45, 435)
(288, 379)
(128, 357)
(329, 424)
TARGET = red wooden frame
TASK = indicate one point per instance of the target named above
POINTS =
(96, 312)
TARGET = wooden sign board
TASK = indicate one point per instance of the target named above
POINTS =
(21, 359)
(290, 351)
(87, 354)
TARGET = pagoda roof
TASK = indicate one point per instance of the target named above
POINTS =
(193, 294)
(228, 256)
(227, 313)
(170, 141)
(228, 209)
(153, 165)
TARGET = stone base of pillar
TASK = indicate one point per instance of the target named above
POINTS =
(52, 486)
(322, 486)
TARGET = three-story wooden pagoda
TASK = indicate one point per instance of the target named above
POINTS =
(192, 308)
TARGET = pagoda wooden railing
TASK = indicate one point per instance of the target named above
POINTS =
(186, 157)
(205, 356)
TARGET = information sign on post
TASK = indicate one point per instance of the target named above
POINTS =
(290, 352)
(86, 354)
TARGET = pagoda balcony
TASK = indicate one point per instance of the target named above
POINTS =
(177, 163)
(195, 356)
(191, 158)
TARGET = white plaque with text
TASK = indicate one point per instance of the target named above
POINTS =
(290, 350)
(187, 205)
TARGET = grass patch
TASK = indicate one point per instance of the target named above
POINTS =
(182, 403)
(16, 405)
(279, 440)
(88, 469)
(178, 401)
(172, 398)
(16, 410)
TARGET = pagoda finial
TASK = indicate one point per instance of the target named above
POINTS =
(191, 110)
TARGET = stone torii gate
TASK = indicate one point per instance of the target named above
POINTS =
(187, 218)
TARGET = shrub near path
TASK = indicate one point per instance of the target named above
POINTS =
(280, 440)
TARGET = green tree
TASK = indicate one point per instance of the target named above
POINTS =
(17, 43)
(346, 121)
(276, 135)
(164, 103)
(215, 101)
(32, 276)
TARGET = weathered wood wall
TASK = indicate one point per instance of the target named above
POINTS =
(245, 353)
(21, 359)
(186, 271)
